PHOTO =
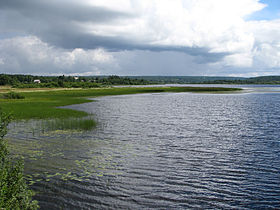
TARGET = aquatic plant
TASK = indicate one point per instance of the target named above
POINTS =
(79, 124)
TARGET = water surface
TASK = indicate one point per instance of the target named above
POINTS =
(167, 150)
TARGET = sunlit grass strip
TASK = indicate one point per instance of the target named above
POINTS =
(68, 124)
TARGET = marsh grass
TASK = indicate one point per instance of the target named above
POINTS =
(12, 95)
(68, 124)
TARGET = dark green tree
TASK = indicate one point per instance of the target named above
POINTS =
(14, 193)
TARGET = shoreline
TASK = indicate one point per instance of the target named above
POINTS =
(47, 103)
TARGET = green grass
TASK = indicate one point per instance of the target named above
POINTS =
(43, 104)
(12, 95)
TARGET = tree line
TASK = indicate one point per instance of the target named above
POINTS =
(31, 81)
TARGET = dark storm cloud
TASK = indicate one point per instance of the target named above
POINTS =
(56, 22)
(89, 41)
(54, 10)
(59, 23)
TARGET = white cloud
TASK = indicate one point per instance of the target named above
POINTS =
(31, 55)
(183, 22)
(238, 60)
(218, 25)
(266, 52)
(267, 56)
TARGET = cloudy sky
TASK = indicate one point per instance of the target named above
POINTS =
(140, 37)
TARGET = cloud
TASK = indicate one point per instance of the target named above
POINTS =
(38, 57)
(202, 35)
(146, 62)
(144, 24)
(60, 23)
(266, 52)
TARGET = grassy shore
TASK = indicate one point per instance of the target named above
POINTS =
(43, 104)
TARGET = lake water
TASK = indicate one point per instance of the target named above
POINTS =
(163, 151)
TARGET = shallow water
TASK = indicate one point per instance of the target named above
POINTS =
(168, 150)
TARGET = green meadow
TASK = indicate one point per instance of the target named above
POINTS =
(45, 104)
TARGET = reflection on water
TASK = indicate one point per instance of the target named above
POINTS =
(178, 150)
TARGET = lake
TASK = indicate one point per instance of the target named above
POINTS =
(162, 151)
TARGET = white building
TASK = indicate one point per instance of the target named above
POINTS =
(37, 81)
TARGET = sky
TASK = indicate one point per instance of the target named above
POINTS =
(140, 37)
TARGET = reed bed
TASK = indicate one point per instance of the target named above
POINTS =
(68, 124)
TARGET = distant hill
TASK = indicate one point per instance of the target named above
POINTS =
(265, 79)
(209, 80)
(253, 80)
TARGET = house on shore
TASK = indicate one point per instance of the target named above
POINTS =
(37, 81)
